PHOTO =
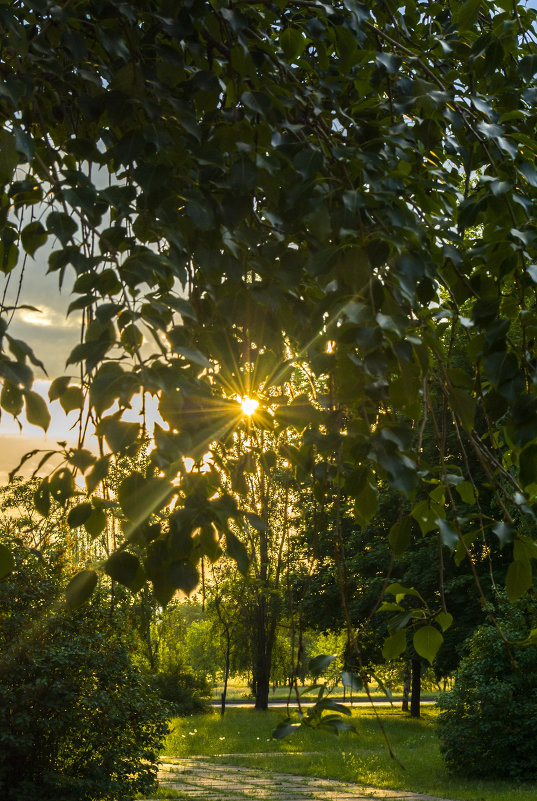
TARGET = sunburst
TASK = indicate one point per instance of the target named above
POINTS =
(249, 405)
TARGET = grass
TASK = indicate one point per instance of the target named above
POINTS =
(166, 792)
(243, 737)
(241, 692)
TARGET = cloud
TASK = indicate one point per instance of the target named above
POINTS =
(48, 331)
(13, 448)
(19, 437)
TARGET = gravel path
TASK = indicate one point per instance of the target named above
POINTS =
(199, 780)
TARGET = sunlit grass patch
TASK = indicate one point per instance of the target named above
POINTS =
(244, 737)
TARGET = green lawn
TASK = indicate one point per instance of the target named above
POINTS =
(243, 737)
(241, 692)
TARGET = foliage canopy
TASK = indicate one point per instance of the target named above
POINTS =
(256, 187)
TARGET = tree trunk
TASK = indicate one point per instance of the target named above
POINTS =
(416, 689)
(406, 686)
(265, 635)
(226, 674)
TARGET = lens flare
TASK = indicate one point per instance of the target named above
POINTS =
(249, 405)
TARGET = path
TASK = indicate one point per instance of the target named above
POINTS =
(282, 704)
(199, 780)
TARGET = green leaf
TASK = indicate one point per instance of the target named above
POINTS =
(7, 562)
(194, 356)
(353, 681)
(399, 536)
(42, 498)
(464, 407)
(466, 491)
(388, 61)
(209, 544)
(467, 13)
(79, 514)
(444, 620)
(528, 66)
(33, 237)
(118, 434)
(80, 588)
(528, 466)
(62, 486)
(123, 567)
(22, 351)
(529, 172)
(9, 256)
(256, 522)
(504, 532)
(366, 504)
(95, 523)
(141, 497)
(99, 472)
(299, 413)
(293, 43)
(427, 640)
(448, 536)
(399, 591)
(81, 458)
(319, 663)
(524, 548)
(37, 412)
(11, 398)
(284, 728)
(71, 399)
(58, 387)
(183, 576)
(394, 645)
(201, 214)
(237, 551)
(61, 225)
(518, 580)
(256, 102)
(24, 143)
(9, 156)
(426, 513)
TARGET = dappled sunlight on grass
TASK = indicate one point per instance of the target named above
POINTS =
(244, 737)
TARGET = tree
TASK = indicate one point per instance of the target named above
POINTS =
(78, 720)
(281, 185)
(487, 720)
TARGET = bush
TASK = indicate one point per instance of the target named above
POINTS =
(489, 718)
(186, 693)
(77, 721)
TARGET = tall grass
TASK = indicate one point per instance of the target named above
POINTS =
(243, 737)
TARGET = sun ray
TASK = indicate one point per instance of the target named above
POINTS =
(283, 371)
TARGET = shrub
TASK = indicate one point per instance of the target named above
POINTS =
(77, 720)
(186, 693)
(489, 718)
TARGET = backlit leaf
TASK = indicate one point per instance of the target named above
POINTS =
(79, 514)
(427, 640)
(518, 579)
(394, 645)
(80, 588)
(123, 567)
(237, 551)
(37, 412)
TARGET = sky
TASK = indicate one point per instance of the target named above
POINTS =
(52, 336)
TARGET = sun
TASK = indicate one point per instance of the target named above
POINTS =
(249, 405)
